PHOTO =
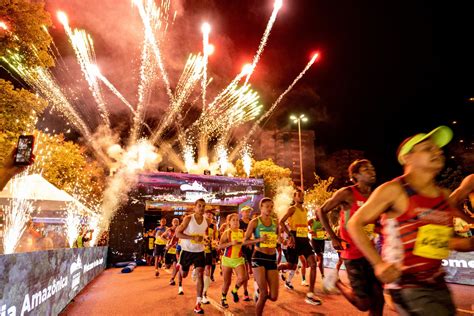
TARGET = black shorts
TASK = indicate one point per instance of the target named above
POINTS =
(150, 252)
(302, 248)
(159, 250)
(260, 259)
(208, 258)
(362, 278)
(186, 259)
(318, 246)
(423, 300)
(247, 252)
(170, 258)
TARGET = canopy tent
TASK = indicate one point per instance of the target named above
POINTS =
(44, 194)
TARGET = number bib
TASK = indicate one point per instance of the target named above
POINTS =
(432, 241)
(172, 251)
(320, 234)
(271, 240)
(197, 242)
(302, 232)
(237, 236)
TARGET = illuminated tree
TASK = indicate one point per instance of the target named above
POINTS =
(23, 32)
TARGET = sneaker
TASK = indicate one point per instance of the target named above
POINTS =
(172, 282)
(304, 283)
(313, 300)
(224, 303)
(235, 296)
(246, 298)
(283, 276)
(329, 283)
(198, 309)
(180, 290)
(289, 286)
(205, 300)
(157, 273)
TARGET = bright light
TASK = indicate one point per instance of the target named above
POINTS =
(3, 25)
(247, 69)
(206, 28)
(292, 117)
(210, 49)
(94, 69)
(304, 119)
(278, 4)
(315, 56)
(62, 17)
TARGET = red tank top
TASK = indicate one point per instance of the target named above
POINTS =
(401, 233)
(351, 251)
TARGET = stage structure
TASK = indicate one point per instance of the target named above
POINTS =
(169, 194)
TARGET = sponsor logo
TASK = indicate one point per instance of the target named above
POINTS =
(458, 263)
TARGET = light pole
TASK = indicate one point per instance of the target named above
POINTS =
(298, 119)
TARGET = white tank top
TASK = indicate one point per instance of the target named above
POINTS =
(194, 229)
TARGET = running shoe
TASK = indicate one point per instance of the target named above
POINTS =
(198, 309)
(235, 296)
(180, 290)
(289, 286)
(282, 276)
(304, 283)
(312, 299)
(246, 298)
(224, 303)
(172, 282)
(205, 300)
(157, 273)
(329, 283)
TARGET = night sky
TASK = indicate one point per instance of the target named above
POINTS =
(387, 69)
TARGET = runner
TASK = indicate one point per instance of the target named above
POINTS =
(417, 226)
(149, 246)
(191, 232)
(318, 238)
(170, 249)
(232, 260)
(265, 231)
(297, 217)
(211, 234)
(365, 292)
(160, 245)
(247, 250)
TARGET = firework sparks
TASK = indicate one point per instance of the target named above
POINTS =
(93, 224)
(277, 6)
(17, 214)
(72, 222)
(206, 29)
(3, 26)
(247, 159)
(222, 158)
(274, 105)
(188, 155)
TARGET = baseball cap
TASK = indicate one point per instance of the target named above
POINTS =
(441, 136)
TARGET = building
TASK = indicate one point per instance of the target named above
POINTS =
(282, 147)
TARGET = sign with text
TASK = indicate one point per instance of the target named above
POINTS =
(44, 282)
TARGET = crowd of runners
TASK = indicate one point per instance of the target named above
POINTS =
(392, 239)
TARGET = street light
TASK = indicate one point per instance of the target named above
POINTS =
(298, 120)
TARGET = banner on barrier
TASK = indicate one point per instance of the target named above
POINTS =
(44, 282)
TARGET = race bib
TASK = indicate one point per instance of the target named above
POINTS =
(237, 236)
(302, 232)
(172, 251)
(432, 241)
(271, 240)
(320, 234)
(197, 242)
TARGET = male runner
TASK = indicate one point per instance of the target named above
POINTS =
(297, 217)
(247, 250)
(191, 233)
(160, 244)
(366, 291)
(417, 222)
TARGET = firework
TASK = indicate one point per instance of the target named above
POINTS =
(72, 222)
(188, 155)
(247, 159)
(206, 29)
(17, 213)
(222, 158)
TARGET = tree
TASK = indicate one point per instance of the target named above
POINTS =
(19, 110)
(23, 32)
(320, 193)
(65, 164)
(268, 170)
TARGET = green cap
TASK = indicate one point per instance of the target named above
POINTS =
(441, 136)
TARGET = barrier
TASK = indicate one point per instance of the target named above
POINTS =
(44, 282)
(459, 266)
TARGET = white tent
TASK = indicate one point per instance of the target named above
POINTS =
(45, 195)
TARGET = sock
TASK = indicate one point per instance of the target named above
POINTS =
(207, 283)
(180, 283)
(198, 300)
(290, 276)
(236, 288)
(224, 296)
